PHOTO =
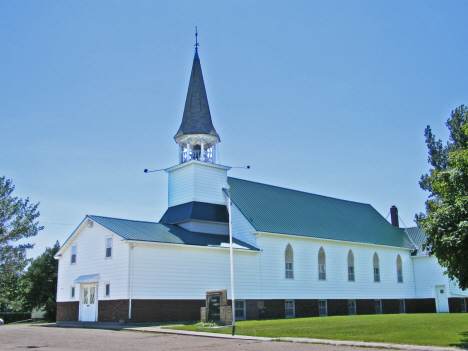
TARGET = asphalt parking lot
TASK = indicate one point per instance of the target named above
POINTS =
(25, 336)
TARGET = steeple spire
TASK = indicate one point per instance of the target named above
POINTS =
(196, 132)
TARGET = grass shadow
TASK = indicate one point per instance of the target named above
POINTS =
(464, 342)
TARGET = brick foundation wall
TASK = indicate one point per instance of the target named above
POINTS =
(337, 307)
(68, 311)
(365, 306)
(420, 306)
(454, 305)
(112, 310)
(275, 309)
(189, 310)
(305, 308)
(390, 306)
(166, 310)
(251, 309)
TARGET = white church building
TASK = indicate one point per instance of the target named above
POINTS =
(296, 254)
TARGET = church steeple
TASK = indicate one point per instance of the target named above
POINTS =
(197, 137)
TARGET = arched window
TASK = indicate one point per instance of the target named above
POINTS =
(399, 269)
(376, 268)
(321, 264)
(350, 266)
(288, 261)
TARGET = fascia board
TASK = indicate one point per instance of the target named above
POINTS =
(188, 246)
(332, 240)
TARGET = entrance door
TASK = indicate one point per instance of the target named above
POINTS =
(88, 303)
(442, 300)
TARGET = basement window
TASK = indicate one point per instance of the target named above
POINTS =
(352, 307)
(323, 308)
(401, 306)
(289, 307)
(378, 306)
(240, 309)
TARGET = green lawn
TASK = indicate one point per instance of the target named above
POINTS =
(441, 329)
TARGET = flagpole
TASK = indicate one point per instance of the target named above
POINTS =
(233, 312)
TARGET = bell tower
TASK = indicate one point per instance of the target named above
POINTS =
(197, 177)
(197, 137)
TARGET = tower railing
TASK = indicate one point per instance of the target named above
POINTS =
(189, 155)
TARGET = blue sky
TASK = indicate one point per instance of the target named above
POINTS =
(328, 97)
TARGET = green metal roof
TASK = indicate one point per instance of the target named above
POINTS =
(273, 209)
(165, 233)
(195, 210)
(418, 237)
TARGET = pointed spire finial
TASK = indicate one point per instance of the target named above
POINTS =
(196, 39)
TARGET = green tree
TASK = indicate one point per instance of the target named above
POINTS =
(39, 283)
(446, 219)
(17, 221)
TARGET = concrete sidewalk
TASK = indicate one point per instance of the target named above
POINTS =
(161, 329)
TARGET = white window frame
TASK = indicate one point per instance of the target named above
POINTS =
(376, 267)
(107, 247)
(72, 292)
(400, 275)
(379, 311)
(399, 270)
(73, 254)
(323, 310)
(291, 307)
(401, 302)
(351, 276)
(236, 308)
(107, 289)
(376, 274)
(463, 305)
(289, 263)
(289, 270)
(353, 308)
(322, 266)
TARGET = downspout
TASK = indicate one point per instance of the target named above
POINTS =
(130, 269)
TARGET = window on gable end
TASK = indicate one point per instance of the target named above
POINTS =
(350, 266)
(109, 247)
(289, 262)
(399, 269)
(321, 264)
(376, 268)
(73, 254)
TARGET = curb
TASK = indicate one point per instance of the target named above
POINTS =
(163, 330)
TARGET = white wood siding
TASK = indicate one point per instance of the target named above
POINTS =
(181, 185)
(456, 291)
(205, 227)
(91, 259)
(428, 274)
(184, 272)
(241, 227)
(197, 181)
(306, 284)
